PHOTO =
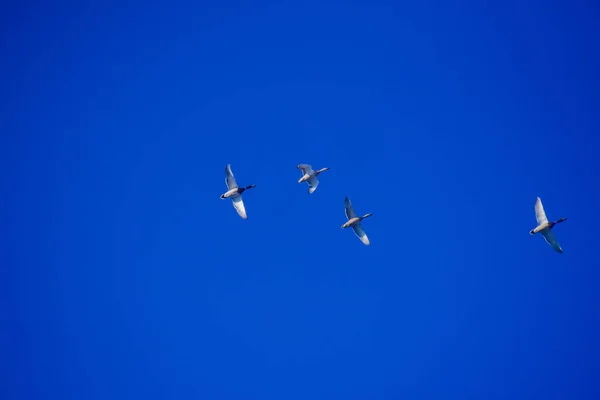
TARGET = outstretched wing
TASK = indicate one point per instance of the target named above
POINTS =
(360, 233)
(238, 204)
(551, 239)
(540, 214)
(229, 178)
(305, 168)
(349, 209)
(312, 183)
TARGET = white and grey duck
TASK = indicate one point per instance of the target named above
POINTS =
(234, 192)
(310, 176)
(544, 227)
(354, 222)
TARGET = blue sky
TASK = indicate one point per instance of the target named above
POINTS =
(125, 276)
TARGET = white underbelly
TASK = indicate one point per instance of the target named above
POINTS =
(230, 193)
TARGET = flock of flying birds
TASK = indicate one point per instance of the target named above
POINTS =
(309, 175)
(234, 192)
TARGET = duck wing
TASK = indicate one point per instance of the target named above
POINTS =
(238, 204)
(360, 233)
(551, 239)
(229, 178)
(349, 209)
(305, 168)
(312, 183)
(540, 214)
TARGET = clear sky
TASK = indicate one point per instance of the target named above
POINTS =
(125, 276)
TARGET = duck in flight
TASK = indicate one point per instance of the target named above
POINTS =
(544, 227)
(234, 192)
(310, 176)
(354, 222)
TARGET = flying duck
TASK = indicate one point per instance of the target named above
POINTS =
(544, 227)
(234, 192)
(354, 222)
(310, 176)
